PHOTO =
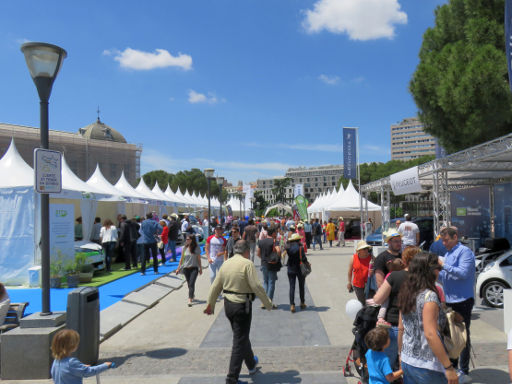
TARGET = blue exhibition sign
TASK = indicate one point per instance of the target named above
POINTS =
(349, 153)
(508, 38)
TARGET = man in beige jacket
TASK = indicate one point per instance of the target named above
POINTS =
(238, 280)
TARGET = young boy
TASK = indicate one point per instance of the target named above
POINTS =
(379, 370)
(66, 369)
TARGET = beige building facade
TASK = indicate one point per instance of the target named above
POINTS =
(97, 143)
(409, 141)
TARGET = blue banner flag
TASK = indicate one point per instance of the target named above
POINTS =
(508, 39)
(349, 153)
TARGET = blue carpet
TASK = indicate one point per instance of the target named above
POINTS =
(110, 293)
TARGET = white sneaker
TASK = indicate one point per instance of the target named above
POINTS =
(463, 378)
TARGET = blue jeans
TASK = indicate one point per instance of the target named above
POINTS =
(317, 239)
(172, 246)
(109, 247)
(214, 267)
(392, 351)
(414, 375)
(269, 281)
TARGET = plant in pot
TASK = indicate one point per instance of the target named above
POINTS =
(56, 273)
(86, 270)
(72, 274)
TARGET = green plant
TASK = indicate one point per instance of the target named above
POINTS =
(86, 268)
(56, 268)
(71, 268)
(81, 260)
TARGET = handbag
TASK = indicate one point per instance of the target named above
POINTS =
(305, 265)
(455, 336)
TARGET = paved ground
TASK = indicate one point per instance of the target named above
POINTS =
(174, 344)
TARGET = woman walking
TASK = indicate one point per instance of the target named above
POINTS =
(358, 269)
(423, 356)
(164, 238)
(330, 231)
(190, 264)
(296, 255)
(108, 238)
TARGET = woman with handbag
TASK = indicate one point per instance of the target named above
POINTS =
(296, 256)
(423, 355)
(190, 264)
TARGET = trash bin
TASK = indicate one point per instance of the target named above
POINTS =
(83, 315)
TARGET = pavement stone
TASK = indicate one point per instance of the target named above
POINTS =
(148, 296)
(171, 281)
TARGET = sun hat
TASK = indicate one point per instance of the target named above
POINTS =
(174, 215)
(295, 237)
(390, 234)
(362, 245)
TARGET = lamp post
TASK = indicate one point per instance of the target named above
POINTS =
(253, 199)
(209, 176)
(220, 183)
(44, 62)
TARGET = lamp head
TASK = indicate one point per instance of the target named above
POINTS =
(220, 181)
(208, 172)
(44, 62)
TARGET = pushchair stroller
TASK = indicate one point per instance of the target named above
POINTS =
(365, 321)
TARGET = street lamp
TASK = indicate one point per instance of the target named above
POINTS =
(44, 62)
(220, 183)
(208, 172)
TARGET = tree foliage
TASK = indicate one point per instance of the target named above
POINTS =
(192, 181)
(279, 189)
(260, 204)
(461, 83)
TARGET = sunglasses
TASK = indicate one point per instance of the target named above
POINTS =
(189, 238)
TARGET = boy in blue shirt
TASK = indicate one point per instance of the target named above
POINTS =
(379, 369)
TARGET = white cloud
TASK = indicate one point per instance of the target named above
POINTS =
(360, 19)
(329, 79)
(196, 97)
(143, 61)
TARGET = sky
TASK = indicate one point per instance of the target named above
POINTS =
(247, 87)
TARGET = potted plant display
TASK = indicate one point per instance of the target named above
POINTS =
(72, 274)
(55, 273)
(86, 270)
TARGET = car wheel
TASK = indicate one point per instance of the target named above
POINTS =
(493, 293)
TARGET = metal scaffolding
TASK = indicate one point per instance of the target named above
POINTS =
(487, 164)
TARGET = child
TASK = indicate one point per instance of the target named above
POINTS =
(66, 369)
(393, 265)
(379, 370)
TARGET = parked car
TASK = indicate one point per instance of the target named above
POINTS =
(494, 278)
(353, 229)
(375, 238)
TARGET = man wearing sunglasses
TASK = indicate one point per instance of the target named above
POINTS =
(394, 240)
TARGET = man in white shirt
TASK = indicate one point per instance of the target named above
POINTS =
(409, 231)
(215, 251)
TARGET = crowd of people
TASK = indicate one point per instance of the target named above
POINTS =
(414, 290)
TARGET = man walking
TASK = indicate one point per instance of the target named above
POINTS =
(458, 279)
(382, 261)
(307, 231)
(215, 251)
(317, 234)
(150, 230)
(250, 234)
(128, 236)
(238, 280)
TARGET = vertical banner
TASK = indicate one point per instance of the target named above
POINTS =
(508, 38)
(302, 207)
(349, 153)
(298, 190)
(62, 232)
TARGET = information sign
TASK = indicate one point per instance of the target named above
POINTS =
(48, 175)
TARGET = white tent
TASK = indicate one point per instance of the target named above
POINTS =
(144, 190)
(280, 207)
(350, 201)
(124, 186)
(18, 221)
(98, 181)
(173, 197)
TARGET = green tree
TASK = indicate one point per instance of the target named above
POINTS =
(461, 83)
(260, 204)
(279, 189)
(161, 177)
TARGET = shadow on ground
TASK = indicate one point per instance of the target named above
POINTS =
(489, 376)
(165, 353)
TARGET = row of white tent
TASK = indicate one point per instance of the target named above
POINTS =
(339, 202)
(19, 229)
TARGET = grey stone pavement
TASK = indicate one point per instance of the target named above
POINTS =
(174, 344)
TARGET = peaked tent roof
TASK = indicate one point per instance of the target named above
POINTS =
(143, 189)
(124, 186)
(14, 171)
(98, 181)
(157, 191)
(350, 201)
(172, 196)
(73, 187)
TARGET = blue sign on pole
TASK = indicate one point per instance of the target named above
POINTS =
(508, 39)
(349, 153)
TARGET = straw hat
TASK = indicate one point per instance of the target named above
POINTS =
(390, 234)
(295, 237)
(362, 245)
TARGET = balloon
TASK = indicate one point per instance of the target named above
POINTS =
(353, 306)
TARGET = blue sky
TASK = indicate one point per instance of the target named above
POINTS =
(248, 87)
